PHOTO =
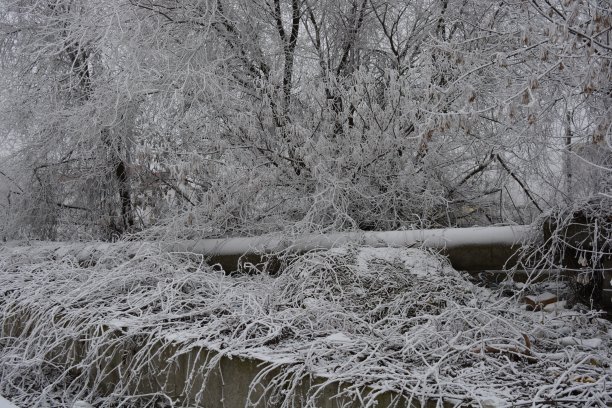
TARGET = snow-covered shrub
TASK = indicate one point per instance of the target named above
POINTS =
(96, 323)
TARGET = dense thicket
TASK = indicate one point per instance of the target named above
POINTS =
(221, 117)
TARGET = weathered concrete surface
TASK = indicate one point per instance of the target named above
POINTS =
(193, 376)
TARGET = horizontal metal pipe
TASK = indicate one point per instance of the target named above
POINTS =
(468, 248)
(443, 238)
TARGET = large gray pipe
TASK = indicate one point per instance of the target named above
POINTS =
(471, 249)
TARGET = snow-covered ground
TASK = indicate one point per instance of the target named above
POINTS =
(390, 319)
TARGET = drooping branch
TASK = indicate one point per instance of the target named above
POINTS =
(481, 167)
(520, 183)
(3, 174)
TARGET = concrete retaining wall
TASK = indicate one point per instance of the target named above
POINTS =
(198, 377)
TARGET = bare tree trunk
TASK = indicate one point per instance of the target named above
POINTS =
(127, 215)
(568, 158)
(81, 66)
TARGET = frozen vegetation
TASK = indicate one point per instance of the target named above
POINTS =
(391, 319)
(146, 129)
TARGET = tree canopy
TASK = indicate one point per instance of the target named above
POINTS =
(239, 117)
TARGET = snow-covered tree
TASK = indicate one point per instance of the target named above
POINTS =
(222, 117)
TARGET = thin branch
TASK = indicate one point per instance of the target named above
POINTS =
(520, 183)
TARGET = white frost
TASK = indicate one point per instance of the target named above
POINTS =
(555, 307)
(338, 338)
(493, 402)
(412, 260)
(587, 343)
(6, 404)
(82, 404)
